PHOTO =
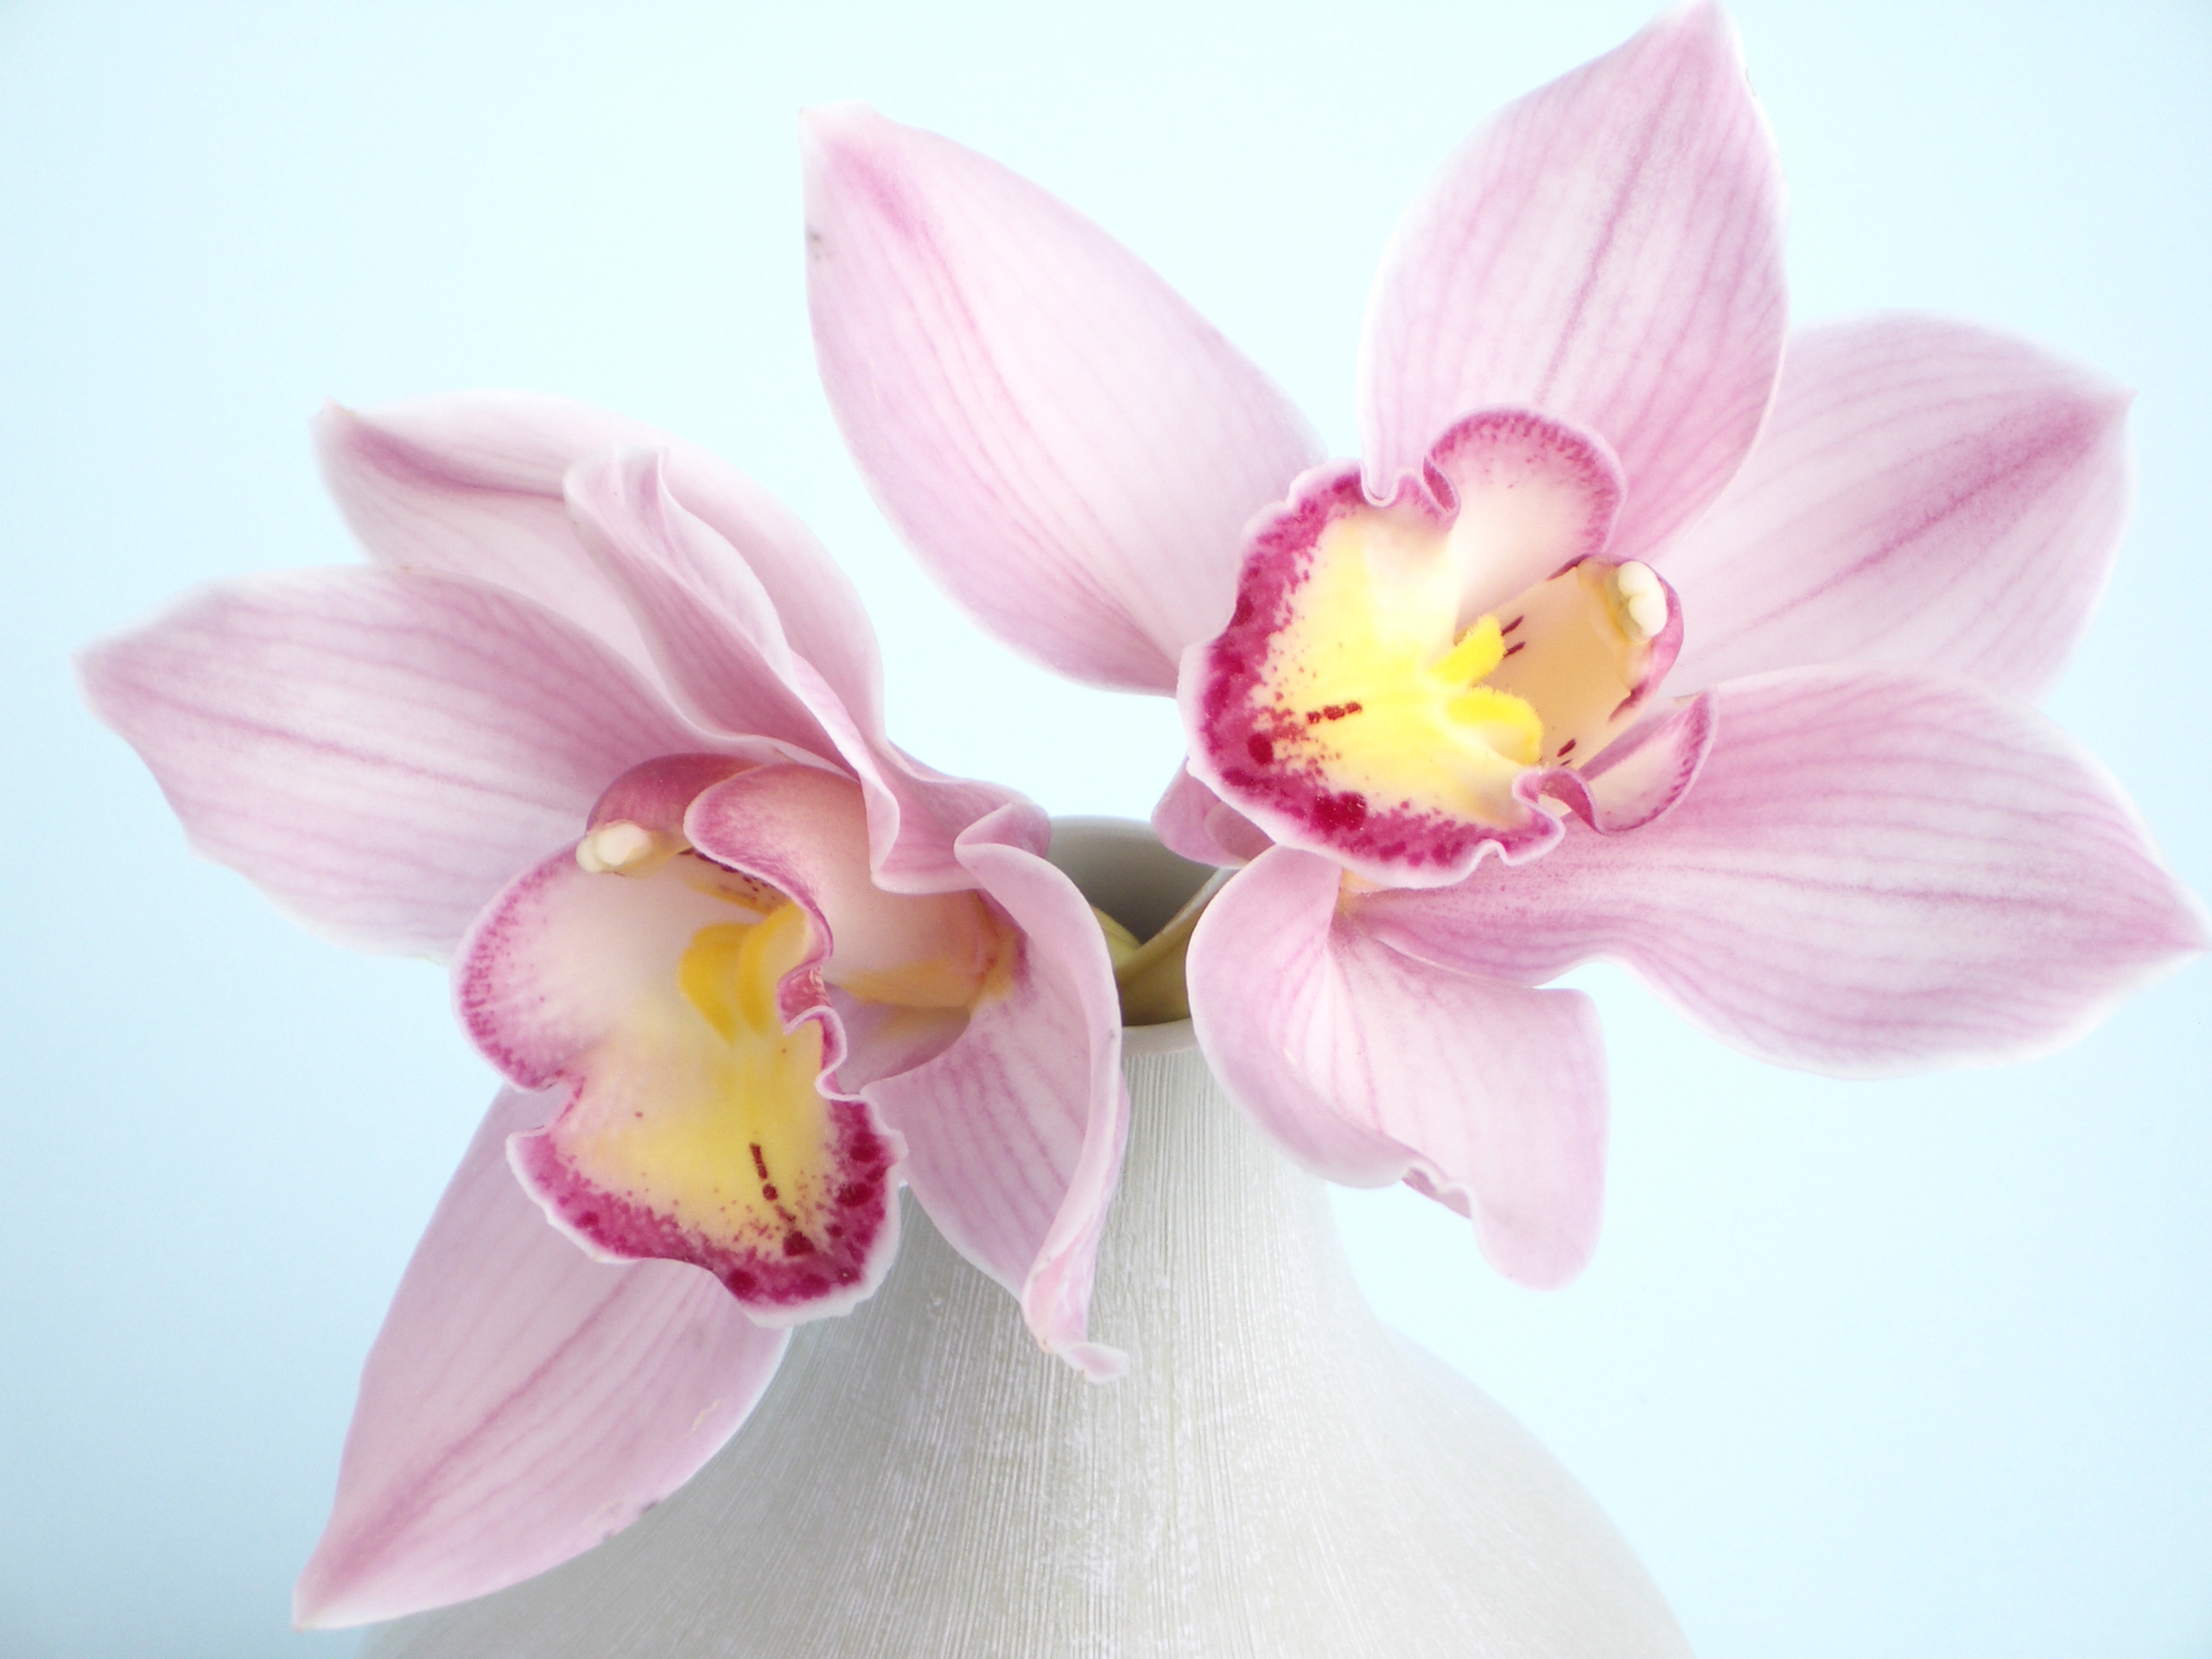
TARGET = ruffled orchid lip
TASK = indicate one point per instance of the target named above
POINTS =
(1403, 679)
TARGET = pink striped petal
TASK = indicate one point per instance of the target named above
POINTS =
(1370, 1066)
(716, 639)
(1927, 493)
(378, 751)
(1070, 448)
(709, 625)
(1015, 1133)
(1875, 872)
(471, 484)
(522, 1402)
(1607, 250)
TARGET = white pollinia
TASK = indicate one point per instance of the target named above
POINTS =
(1277, 1475)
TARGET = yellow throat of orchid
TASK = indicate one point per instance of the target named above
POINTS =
(1379, 685)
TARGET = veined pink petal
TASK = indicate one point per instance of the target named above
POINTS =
(1926, 493)
(379, 751)
(1015, 1133)
(1070, 448)
(471, 484)
(715, 637)
(1370, 1066)
(710, 626)
(1190, 819)
(1876, 871)
(522, 1402)
(1608, 250)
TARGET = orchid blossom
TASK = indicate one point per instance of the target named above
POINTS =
(601, 725)
(1639, 634)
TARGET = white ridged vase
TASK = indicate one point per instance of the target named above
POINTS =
(1277, 1474)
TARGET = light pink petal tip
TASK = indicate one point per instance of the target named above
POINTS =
(1926, 493)
(1368, 1066)
(522, 1402)
(1069, 447)
(471, 484)
(379, 751)
(1607, 250)
(1015, 1133)
(1877, 872)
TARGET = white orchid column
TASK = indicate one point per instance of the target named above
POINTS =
(1276, 1474)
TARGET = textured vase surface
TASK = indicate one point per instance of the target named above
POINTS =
(1277, 1475)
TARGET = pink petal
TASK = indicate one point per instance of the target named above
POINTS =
(1369, 1066)
(1926, 493)
(1875, 872)
(378, 751)
(1015, 1133)
(709, 623)
(715, 638)
(1608, 250)
(522, 1402)
(1193, 821)
(1643, 772)
(471, 484)
(1069, 447)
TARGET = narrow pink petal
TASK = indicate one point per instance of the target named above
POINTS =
(1190, 819)
(1015, 1133)
(714, 634)
(1369, 1066)
(1927, 493)
(709, 623)
(522, 1402)
(1070, 448)
(471, 484)
(1875, 872)
(1608, 250)
(378, 751)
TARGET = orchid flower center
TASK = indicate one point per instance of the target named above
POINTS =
(1399, 676)
(707, 1122)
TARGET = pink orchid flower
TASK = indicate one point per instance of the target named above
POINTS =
(601, 725)
(1636, 635)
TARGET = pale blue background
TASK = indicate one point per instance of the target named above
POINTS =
(1910, 1370)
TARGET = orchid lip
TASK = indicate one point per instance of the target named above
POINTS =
(683, 1001)
(1398, 675)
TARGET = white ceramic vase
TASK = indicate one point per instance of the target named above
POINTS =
(1277, 1475)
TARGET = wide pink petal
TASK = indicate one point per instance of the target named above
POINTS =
(379, 751)
(1069, 447)
(1608, 250)
(471, 484)
(522, 1402)
(1368, 1065)
(1926, 493)
(1876, 871)
(1015, 1133)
